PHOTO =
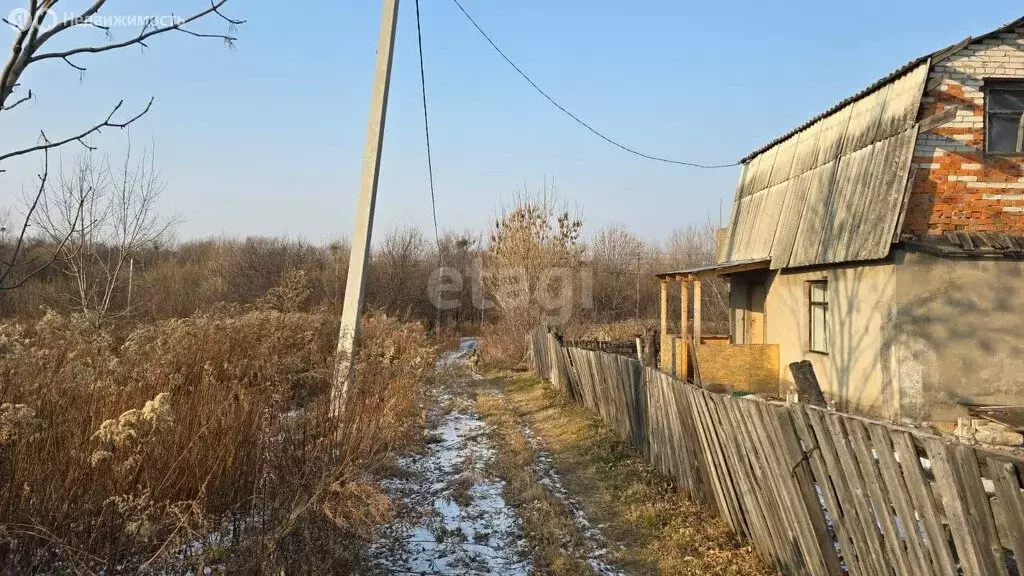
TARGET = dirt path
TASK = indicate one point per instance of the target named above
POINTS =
(453, 518)
(589, 503)
(512, 480)
(563, 538)
(456, 521)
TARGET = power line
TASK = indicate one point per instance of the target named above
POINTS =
(575, 117)
(430, 160)
(426, 128)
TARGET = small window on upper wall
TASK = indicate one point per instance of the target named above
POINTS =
(1004, 117)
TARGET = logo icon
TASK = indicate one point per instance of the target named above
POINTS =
(20, 18)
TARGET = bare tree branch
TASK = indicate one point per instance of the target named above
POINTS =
(31, 36)
(12, 264)
(80, 138)
(24, 99)
(73, 65)
(148, 32)
(72, 22)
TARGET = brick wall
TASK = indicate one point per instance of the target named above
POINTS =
(956, 186)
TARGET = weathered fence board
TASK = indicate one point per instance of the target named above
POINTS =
(925, 505)
(814, 491)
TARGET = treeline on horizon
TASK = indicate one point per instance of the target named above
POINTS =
(179, 279)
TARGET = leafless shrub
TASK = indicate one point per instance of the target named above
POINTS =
(399, 269)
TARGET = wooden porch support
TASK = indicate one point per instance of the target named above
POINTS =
(683, 365)
(696, 311)
(684, 307)
(664, 307)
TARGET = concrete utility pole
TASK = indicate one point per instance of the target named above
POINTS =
(356, 283)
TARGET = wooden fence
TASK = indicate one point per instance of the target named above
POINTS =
(814, 491)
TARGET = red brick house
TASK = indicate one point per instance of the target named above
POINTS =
(883, 241)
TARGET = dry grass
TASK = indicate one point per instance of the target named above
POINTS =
(117, 453)
(505, 346)
(660, 532)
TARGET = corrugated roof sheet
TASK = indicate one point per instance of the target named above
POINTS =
(938, 54)
(830, 193)
(831, 190)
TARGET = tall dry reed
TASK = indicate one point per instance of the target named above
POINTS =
(196, 442)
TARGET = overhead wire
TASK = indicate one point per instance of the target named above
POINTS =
(575, 117)
(430, 159)
(426, 128)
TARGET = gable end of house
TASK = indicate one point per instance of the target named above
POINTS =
(905, 155)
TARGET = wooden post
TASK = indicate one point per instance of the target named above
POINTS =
(353, 306)
(664, 307)
(683, 366)
(696, 312)
(684, 307)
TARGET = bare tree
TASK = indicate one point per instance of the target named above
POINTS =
(531, 239)
(461, 253)
(40, 36)
(399, 268)
(531, 259)
(617, 256)
(102, 218)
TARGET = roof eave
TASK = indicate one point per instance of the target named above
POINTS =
(723, 269)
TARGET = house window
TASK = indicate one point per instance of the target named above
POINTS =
(1004, 117)
(818, 298)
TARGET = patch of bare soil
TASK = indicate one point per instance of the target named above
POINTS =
(589, 503)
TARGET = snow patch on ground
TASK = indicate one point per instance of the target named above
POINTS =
(456, 520)
(466, 348)
(453, 518)
(596, 548)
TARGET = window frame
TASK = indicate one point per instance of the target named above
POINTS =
(1003, 84)
(813, 305)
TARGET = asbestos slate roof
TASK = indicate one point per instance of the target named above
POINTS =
(833, 190)
(936, 55)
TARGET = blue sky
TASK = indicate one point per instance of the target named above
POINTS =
(267, 138)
